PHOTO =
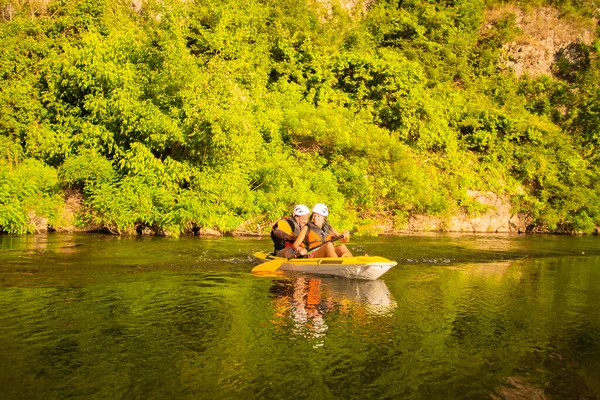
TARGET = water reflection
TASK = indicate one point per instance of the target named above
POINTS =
(103, 317)
(515, 387)
(493, 270)
(303, 302)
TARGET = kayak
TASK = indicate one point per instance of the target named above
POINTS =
(361, 267)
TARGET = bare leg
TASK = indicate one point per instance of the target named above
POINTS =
(327, 250)
(342, 251)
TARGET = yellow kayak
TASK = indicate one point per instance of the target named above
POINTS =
(361, 267)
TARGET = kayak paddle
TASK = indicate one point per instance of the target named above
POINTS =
(333, 239)
(273, 265)
(269, 266)
(360, 228)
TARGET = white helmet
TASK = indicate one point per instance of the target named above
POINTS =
(300, 210)
(321, 209)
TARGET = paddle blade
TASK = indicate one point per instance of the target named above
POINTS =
(269, 266)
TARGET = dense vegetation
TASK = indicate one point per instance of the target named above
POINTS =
(222, 114)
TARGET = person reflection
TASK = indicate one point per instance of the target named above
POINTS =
(303, 302)
(300, 301)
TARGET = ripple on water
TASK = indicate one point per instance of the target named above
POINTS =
(181, 326)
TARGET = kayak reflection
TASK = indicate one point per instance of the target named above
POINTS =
(303, 302)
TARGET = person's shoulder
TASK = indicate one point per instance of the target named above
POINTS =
(283, 224)
(283, 219)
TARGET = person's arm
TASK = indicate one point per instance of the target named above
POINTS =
(335, 233)
(282, 234)
(297, 245)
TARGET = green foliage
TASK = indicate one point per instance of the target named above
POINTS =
(86, 171)
(223, 115)
(28, 190)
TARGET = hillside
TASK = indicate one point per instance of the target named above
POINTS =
(170, 117)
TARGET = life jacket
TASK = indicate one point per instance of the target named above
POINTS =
(287, 225)
(316, 236)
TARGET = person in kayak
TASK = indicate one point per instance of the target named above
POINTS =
(316, 236)
(286, 230)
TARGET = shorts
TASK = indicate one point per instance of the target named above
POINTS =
(279, 253)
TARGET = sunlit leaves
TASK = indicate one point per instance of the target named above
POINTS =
(185, 115)
(28, 190)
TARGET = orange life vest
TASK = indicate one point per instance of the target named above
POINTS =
(316, 236)
(287, 225)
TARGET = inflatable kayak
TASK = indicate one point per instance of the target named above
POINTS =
(361, 267)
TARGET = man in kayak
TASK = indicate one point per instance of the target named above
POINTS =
(286, 230)
(316, 236)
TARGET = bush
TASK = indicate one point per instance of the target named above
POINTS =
(28, 191)
(224, 115)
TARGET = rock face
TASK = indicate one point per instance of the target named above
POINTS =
(498, 218)
(73, 199)
(33, 7)
(545, 36)
(357, 8)
(137, 5)
(40, 224)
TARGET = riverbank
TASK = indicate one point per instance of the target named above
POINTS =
(495, 215)
(171, 117)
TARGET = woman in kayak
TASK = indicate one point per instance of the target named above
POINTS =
(286, 230)
(316, 236)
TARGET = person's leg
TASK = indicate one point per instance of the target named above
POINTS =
(327, 250)
(342, 251)
(286, 252)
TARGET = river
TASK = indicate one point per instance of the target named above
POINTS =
(460, 317)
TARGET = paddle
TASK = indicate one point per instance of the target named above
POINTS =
(336, 238)
(273, 265)
(269, 266)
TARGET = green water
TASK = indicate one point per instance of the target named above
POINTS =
(461, 316)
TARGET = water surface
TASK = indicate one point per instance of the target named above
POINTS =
(461, 316)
